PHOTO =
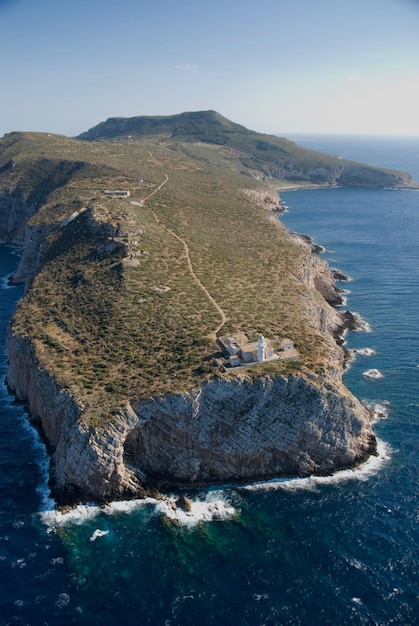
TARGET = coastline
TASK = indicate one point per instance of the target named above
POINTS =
(262, 424)
(110, 458)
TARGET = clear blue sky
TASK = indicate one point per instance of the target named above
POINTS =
(276, 66)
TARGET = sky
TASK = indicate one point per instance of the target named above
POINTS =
(275, 66)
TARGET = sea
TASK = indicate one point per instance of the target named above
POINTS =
(340, 550)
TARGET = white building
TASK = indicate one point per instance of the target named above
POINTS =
(261, 349)
(241, 351)
(121, 193)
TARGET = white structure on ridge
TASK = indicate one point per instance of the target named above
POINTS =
(242, 352)
(118, 193)
(261, 349)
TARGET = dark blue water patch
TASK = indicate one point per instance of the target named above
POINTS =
(32, 575)
(308, 554)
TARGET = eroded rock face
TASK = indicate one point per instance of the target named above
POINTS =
(86, 462)
(242, 430)
(15, 213)
(228, 430)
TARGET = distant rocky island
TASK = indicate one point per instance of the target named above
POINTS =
(172, 331)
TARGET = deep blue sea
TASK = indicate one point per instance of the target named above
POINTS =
(331, 551)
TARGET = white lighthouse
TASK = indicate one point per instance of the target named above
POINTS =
(261, 349)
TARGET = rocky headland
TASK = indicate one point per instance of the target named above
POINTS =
(118, 420)
(233, 429)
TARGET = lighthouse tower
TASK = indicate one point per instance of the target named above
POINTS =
(261, 349)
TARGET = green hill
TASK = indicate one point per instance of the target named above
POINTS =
(255, 154)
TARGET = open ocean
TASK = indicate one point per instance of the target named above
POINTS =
(330, 551)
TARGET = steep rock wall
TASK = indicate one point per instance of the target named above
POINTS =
(85, 462)
(14, 213)
(228, 430)
(246, 429)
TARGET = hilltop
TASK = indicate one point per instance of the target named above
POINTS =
(114, 345)
(262, 156)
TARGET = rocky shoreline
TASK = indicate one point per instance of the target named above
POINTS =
(225, 431)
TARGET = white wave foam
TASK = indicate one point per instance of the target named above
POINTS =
(362, 325)
(373, 373)
(78, 515)
(5, 282)
(200, 511)
(380, 410)
(127, 506)
(41, 458)
(82, 513)
(365, 351)
(312, 483)
(62, 601)
(98, 533)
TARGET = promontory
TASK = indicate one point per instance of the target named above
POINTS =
(172, 332)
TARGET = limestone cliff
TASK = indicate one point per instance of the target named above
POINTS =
(228, 430)
(245, 429)
(240, 428)
(121, 374)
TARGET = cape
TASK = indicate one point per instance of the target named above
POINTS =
(172, 331)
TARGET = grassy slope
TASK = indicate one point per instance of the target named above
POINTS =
(96, 321)
(248, 151)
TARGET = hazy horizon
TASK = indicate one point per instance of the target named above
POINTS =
(280, 68)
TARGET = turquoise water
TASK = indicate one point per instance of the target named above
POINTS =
(310, 552)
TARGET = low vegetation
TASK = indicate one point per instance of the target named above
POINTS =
(114, 311)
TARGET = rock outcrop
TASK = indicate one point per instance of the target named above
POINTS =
(238, 429)
(246, 429)
(228, 430)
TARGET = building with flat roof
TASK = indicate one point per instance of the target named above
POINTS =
(239, 351)
(118, 193)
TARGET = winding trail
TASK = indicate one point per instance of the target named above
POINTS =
(223, 317)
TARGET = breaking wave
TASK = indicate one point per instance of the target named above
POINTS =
(312, 483)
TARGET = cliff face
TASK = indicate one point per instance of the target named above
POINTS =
(228, 430)
(15, 230)
(243, 429)
(15, 213)
(85, 463)
(238, 429)
(233, 428)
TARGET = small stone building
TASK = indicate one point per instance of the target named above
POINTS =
(286, 344)
(118, 193)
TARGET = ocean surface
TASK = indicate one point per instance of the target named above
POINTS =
(339, 551)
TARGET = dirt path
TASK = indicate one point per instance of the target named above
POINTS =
(156, 190)
(223, 317)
